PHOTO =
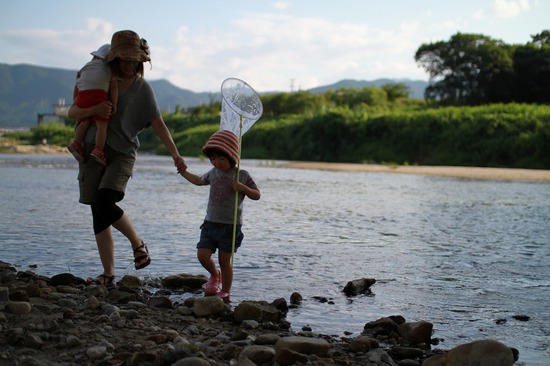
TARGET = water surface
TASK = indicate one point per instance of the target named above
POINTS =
(460, 253)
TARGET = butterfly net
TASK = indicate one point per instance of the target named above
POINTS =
(239, 100)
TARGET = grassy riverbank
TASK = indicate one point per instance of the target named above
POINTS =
(10, 146)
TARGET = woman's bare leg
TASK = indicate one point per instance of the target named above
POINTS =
(106, 248)
(124, 225)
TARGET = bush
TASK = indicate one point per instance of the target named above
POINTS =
(55, 133)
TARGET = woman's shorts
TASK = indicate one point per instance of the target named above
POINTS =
(219, 236)
(93, 176)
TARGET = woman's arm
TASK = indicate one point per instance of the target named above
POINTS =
(166, 138)
(102, 109)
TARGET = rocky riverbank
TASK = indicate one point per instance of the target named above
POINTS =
(62, 320)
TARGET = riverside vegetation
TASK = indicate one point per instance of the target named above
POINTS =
(370, 125)
(471, 117)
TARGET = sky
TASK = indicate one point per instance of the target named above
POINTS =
(273, 45)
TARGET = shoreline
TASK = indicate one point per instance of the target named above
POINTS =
(504, 174)
(442, 171)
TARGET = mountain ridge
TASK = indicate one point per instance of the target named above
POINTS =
(26, 90)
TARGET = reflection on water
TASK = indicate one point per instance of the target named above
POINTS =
(459, 253)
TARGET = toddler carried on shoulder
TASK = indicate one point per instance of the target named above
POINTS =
(96, 83)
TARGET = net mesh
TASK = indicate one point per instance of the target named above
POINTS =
(239, 99)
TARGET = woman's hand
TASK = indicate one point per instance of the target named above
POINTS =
(103, 110)
(180, 164)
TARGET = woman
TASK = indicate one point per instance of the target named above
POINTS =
(102, 187)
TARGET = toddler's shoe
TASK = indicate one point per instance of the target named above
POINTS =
(99, 156)
(212, 286)
(223, 295)
(77, 150)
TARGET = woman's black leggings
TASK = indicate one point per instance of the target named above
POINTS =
(105, 211)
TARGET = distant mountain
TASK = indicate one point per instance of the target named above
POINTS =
(27, 90)
(416, 87)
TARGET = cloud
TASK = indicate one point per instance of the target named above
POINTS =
(280, 5)
(504, 9)
(509, 8)
(266, 50)
(56, 48)
(269, 50)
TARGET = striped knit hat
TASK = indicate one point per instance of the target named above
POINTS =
(225, 141)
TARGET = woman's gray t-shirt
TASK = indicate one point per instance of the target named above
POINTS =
(137, 107)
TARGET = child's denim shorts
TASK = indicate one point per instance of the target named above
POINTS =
(219, 236)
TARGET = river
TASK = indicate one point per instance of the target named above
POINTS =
(466, 255)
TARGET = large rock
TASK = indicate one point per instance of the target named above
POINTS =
(63, 279)
(207, 306)
(184, 281)
(304, 345)
(384, 326)
(480, 353)
(363, 344)
(259, 311)
(360, 286)
(131, 282)
(258, 354)
(18, 307)
(416, 333)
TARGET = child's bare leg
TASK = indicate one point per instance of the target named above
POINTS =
(101, 134)
(80, 130)
(75, 147)
(227, 270)
(205, 258)
(100, 139)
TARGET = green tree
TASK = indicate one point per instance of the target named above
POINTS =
(468, 69)
(396, 91)
(301, 102)
(532, 70)
(351, 97)
(542, 39)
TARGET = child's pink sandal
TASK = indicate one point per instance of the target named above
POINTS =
(223, 295)
(212, 286)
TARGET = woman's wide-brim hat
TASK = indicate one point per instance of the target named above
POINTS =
(225, 141)
(127, 46)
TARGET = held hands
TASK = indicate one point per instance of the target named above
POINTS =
(179, 163)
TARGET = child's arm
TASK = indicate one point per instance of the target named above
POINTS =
(253, 194)
(192, 178)
(75, 89)
(113, 93)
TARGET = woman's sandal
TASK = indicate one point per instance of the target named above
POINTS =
(139, 259)
(102, 279)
